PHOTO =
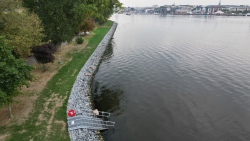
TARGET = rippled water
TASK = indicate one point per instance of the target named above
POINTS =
(177, 78)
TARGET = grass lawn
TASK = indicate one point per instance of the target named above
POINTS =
(48, 119)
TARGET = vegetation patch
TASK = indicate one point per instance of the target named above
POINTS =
(48, 121)
(79, 40)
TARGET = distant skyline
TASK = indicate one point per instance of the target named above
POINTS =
(142, 3)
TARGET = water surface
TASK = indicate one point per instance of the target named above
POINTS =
(177, 78)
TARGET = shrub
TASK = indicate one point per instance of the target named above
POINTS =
(79, 40)
(44, 53)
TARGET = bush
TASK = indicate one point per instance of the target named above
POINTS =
(79, 40)
(44, 53)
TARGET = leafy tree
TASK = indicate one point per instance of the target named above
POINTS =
(84, 14)
(22, 29)
(62, 19)
(105, 9)
(3, 98)
(8, 5)
(44, 53)
(87, 25)
(2, 24)
(59, 18)
(14, 74)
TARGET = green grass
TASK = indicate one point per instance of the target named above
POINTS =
(108, 23)
(57, 89)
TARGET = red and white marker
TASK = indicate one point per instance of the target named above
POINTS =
(71, 113)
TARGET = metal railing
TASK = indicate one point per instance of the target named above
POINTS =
(94, 123)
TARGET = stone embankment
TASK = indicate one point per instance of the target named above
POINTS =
(79, 99)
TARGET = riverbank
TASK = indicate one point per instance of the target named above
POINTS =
(80, 98)
(47, 119)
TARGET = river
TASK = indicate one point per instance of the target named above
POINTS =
(176, 78)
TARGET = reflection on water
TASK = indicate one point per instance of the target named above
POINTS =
(177, 78)
(108, 99)
(109, 51)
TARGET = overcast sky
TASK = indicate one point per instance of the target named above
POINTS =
(139, 3)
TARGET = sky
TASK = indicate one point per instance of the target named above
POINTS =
(141, 3)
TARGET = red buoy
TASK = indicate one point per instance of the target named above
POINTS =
(71, 113)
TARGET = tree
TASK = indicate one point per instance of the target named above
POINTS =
(87, 25)
(3, 98)
(105, 9)
(14, 74)
(21, 28)
(44, 53)
(58, 18)
(84, 13)
(62, 19)
(8, 5)
(23, 31)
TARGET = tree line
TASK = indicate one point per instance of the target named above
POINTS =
(37, 26)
